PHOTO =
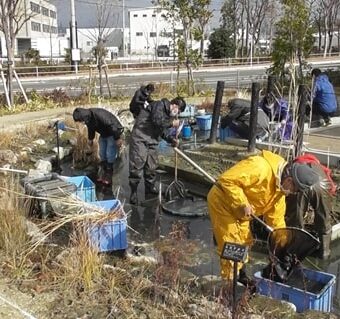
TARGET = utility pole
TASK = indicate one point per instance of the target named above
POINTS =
(124, 28)
(74, 50)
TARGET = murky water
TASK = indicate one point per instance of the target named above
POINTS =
(149, 223)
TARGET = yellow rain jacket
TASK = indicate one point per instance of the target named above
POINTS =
(254, 182)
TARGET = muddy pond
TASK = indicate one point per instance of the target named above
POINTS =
(149, 221)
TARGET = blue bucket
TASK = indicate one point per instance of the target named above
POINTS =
(186, 131)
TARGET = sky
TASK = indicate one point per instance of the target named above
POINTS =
(86, 11)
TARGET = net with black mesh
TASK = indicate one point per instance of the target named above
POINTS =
(287, 248)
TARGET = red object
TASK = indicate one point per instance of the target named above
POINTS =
(311, 159)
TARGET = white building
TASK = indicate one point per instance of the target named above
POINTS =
(87, 39)
(150, 30)
(40, 32)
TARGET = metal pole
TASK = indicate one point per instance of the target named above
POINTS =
(123, 28)
(216, 111)
(234, 289)
(253, 116)
(58, 145)
(73, 33)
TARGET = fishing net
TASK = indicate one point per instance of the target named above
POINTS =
(288, 247)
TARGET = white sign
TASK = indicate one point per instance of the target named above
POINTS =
(75, 54)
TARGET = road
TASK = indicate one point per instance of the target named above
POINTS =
(127, 81)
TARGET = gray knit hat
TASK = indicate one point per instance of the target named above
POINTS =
(304, 176)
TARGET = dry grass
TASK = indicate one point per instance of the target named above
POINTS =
(82, 152)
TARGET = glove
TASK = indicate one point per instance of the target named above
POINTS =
(174, 142)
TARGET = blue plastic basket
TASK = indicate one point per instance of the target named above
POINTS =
(303, 300)
(86, 189)
(204, 122)
(110, 235)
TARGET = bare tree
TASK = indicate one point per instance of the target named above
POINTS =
(100, 35)
(255, 12)
(12, 18)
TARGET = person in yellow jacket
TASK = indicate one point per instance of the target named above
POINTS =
(256, 185)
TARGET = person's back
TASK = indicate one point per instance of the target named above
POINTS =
(151, 121)
(141, 99)
(238, 118)
(99, 120)
(324, 94)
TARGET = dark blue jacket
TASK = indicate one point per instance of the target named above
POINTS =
(323, 94)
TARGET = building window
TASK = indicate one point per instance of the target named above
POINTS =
(45, 11)
(144, 15)
(53, 14)
(153, 34)
(166, 34)
(154, 16)
(139, 34)
(89, 43)
(35, 7)
(35, 26)
(46, 28)
(54, 30)
(135, 15)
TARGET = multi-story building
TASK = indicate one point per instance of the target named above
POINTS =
(151, 33)
(40, 31)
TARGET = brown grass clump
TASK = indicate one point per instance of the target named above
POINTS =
(13, 235)
(82, 153)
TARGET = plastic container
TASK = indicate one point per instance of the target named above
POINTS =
(303, 300)
(186, 131)
(189, 111)
(227, 132)
(110, 235)
(204, 122)
(46, 187)
(85, 188)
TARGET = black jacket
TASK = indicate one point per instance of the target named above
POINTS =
(100, 121)
(153, 123)
(240, 111)
(138, 100)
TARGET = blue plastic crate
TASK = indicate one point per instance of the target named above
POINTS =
(227, 132)
(303, 300)
(204, 122)
(110, 235)
(86, 189)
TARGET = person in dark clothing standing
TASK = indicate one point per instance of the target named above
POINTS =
(319, 198)
(152, 123)
(141, 99)
(110, 130)
(238, 119)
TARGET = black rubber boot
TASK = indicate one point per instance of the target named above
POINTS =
(151, 188)
(133, 195)
(107, 178)
(101, 171)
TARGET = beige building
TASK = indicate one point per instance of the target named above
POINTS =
(40, 32)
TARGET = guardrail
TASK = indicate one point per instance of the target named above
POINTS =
(123, 66)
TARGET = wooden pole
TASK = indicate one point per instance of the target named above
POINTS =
(5, 88)
(300, 119)
(20, 85)
(216, 111)
(255, 89)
